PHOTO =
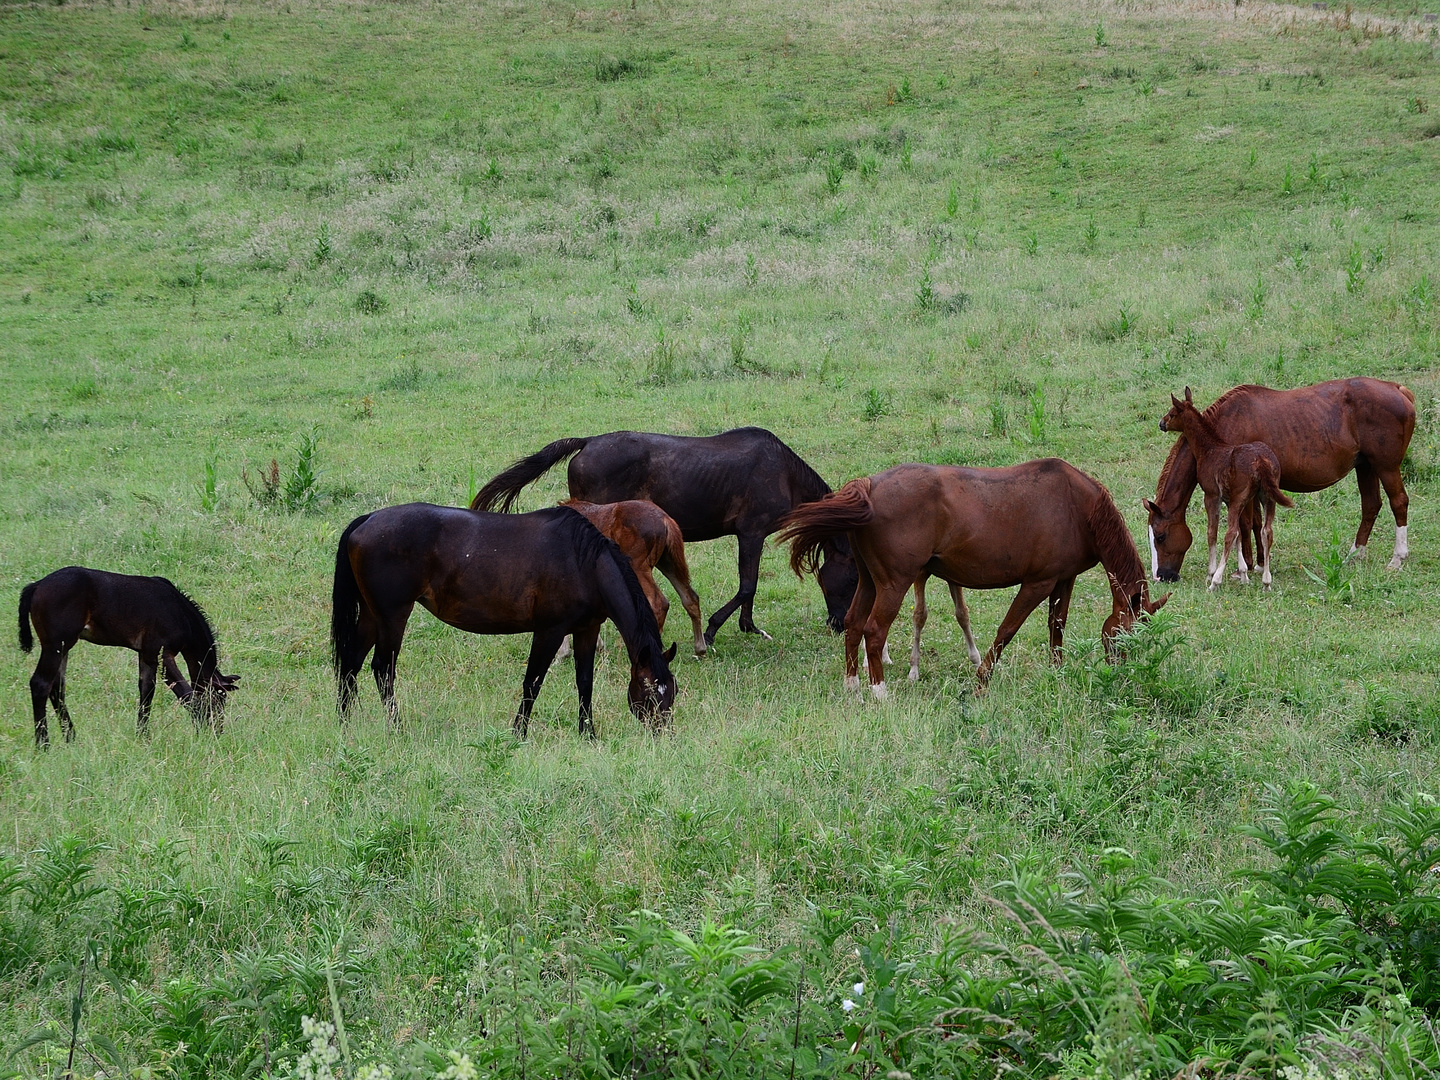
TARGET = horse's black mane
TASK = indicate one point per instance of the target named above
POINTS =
(591, 545)
(798, 465)
(197, 622)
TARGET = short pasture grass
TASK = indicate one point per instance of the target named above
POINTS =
(436, 236)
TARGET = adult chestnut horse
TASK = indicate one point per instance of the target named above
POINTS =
(1319, 433)
(740, 483)
(146, 614)
(549, 573)
(651, 540)
(1038, 525)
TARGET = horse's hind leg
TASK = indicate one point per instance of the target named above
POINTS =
(918, 619)
(672, 564)
(389, 634)
(855, 618)
(149, 666)
(1369, 484)
(1400, 507)
(542, 653)
(962, 616)
(347, 673)
(1267, 539)
(1234, 518)
(47, 675)
(57, 698)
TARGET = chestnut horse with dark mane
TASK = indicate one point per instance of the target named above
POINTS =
(1319, 433)
(1038, 525)
(739, 483)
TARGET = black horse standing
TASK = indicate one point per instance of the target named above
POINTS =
(147, 614)
(739, 483)
(549, 573)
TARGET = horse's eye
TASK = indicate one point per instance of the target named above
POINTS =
(1160, 538)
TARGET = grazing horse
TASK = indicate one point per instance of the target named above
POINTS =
(550, 573)
(1036, 525)
(740, 483)
(651, 540)
(147, 614)
(1246, 478)
(1318, 433)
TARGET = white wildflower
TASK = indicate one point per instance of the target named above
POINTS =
(847, 1005)
(317, 1062)
(376, 1072)
(461, 1068)
(859, 989)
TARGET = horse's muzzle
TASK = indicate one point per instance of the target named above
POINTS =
(836, 624)
(1167, 575)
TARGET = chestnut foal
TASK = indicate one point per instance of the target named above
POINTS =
(1246, 478)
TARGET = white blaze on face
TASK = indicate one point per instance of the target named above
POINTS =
(1154, 556)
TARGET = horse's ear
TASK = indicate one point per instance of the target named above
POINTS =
(1174, 401)
(1149, 506)
(670, 653)
(1188, 399)
(1156, 605)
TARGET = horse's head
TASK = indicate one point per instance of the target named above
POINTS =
(1130, 605)
(1179, 410)
(838, 577)
(207, 699)
(652, 687)
(1170, 539)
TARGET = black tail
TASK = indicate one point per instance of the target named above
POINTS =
(27, 594)
(345, 614)
(506, 487)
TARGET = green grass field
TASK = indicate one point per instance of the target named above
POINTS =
(432, 237)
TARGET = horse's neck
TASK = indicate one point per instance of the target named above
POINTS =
(1202, 440)
(199, 656)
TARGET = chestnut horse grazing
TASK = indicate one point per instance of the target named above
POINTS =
(1318, 433)
(146, 614)
(1037, 525)
(651, 540)
(1246, 478)
(550, 573)
(738, 483)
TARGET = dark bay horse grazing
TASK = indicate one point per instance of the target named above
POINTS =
(1246, 478)
(739, 483)
(549, 573)
(146, 614)
(1037, 525)
(651, 540)
(1318, 433)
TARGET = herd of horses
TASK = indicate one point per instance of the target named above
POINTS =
(636, 499)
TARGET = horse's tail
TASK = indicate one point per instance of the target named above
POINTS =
(809, 525)
(1407, 392)
(27, 597)
(345, 597)
(506, 487)
(1270, 481)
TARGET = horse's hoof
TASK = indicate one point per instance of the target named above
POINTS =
(914, 674)
(763, 635)
(852, 682)
(1395, 564)
(878, 689)
(885, 654)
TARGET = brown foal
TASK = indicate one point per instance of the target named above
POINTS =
(1246, 478)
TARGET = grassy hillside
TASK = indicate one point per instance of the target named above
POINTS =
(427, 238)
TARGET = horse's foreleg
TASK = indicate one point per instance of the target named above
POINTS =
(1234, 519)
(918, 619)
(672, 564)
(1400, 507)
(962, 616)
(1026, 601)
(149, 666)
(542, 653)
(585, 675)
(1369, 484)
(1267, 539)
(178, 684)
(1059, 612)
(659, 605)
(751, 547)
(1212, 526)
